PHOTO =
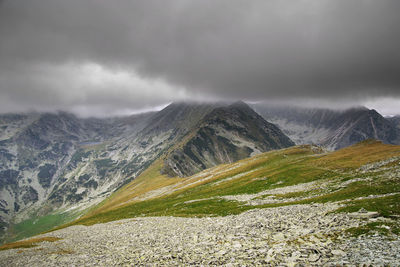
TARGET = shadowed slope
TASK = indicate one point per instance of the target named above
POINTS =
(225, 135)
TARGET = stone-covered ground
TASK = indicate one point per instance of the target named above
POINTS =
(299, 235)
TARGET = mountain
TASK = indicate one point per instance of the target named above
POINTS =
(395, 121)
(227, 134)
(333, 129)
(53, 167)
(58, 162)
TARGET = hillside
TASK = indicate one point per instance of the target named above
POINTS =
(367, 168)
(294, 205)
(54, 167)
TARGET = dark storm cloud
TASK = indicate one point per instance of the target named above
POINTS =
(228, 49)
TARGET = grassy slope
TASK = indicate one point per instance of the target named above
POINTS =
(199, 195)
(34, 226)
(153, 194)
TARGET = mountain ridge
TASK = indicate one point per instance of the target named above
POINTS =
(56, 166)
(57, 163)
(330, 128)
(227, 134)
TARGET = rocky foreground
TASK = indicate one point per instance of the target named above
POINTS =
(300, 235)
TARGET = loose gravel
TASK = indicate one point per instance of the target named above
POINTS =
(299, 235)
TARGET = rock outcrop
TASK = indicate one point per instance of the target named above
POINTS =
(225, 135)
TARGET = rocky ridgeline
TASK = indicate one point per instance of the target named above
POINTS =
(300, 235)
(50, 163)
(333, 129)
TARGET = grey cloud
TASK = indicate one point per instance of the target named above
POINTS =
(224, 49)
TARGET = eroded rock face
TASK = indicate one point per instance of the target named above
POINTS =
(226, 134)
(43, 158)
(301, 235)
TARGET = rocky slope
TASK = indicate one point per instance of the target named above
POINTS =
(333, 129)
(225, 135)
(395, 120)
(55, 161)
(296, 235)
(299, 206)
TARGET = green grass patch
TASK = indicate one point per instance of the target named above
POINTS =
(359, 189)
(388, 206)
(384, 205)
(382, 228)
(302, 194)
(168, 207)
(37, 225)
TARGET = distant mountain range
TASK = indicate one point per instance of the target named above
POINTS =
(333, 129)
(61, 164)
(395, 120)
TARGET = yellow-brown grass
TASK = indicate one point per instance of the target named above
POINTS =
(151, 179)
(299, 163)
(359, 154)
(62, 251)
(29, 242)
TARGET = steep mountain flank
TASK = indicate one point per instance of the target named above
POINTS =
(333, 129)
(60, 164)
(395, 120)
(52, 162)
(225, 135)
(180, 118)
(354, 126)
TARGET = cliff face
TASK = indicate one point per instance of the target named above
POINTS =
(51, 162)
(225, 135)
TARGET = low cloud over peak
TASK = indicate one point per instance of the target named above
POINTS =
(115, 56)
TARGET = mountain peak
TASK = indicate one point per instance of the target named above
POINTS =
(239, 103)
(225, 135)
(333, 129)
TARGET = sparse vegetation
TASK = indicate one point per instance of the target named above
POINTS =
(153, 194)
(388, 206)
(38, 225)
(383, 228)
(29, 243)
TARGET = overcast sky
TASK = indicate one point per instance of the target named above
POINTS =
(102, 57)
